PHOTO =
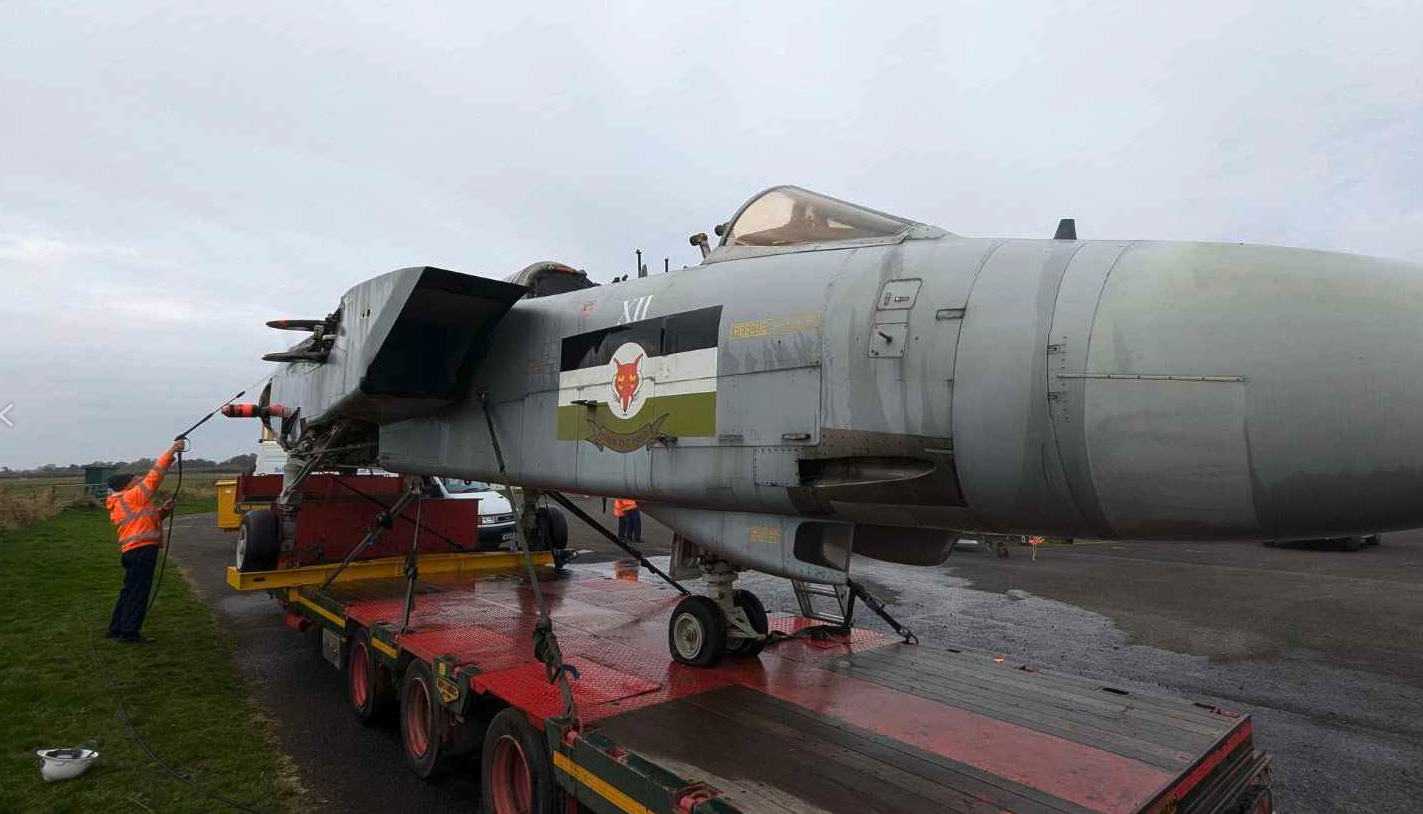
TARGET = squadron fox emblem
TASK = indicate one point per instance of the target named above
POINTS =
(627, 380)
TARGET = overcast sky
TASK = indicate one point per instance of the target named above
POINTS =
(175, 174)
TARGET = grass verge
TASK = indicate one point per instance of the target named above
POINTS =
(59, 578)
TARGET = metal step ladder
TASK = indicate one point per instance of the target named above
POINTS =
(811, 597)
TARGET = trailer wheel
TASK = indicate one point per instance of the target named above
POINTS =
(696, 634)
(553, 529)
(424, 722)
(367, 683)
(756, 615)
(1353, 543)
(515, 769)
(258, 541)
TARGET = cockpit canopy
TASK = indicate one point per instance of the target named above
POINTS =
(791, 216)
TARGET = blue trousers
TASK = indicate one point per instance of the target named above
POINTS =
(133, 597)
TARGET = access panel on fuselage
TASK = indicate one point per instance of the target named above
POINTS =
(770, 384)
(891, 344)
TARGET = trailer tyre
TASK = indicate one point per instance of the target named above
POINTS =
(756, 615)
(515, 769)
(424, 722)
(696, 635)
(367, 682)
(258, 541)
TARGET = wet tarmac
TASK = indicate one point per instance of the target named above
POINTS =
(1322, 646)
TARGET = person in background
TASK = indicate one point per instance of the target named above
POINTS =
(634, 522)
(140, 533)
(629, 520)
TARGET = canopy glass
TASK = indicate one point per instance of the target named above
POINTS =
(789, 216)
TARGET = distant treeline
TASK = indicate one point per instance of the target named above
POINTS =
(237, 463)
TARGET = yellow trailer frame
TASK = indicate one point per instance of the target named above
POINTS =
(469, 563)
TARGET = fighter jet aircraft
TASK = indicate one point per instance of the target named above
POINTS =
(831, 380)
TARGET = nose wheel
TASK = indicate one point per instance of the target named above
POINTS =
(696, 634)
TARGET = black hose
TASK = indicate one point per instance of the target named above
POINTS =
(168, 544)
(143, 744)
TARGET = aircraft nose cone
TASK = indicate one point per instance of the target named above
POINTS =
(1281, 397)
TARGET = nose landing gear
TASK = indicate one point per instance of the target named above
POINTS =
(727, 621)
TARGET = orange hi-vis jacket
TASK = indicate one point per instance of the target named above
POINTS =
(132, 510)
(622, 506)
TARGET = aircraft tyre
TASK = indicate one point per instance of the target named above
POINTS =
(696, 634)
(258, 543)
(756, 615)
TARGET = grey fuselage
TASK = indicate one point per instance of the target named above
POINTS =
(1107, 389)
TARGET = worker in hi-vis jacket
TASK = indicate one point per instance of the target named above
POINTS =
(629, 520)
(140, 533)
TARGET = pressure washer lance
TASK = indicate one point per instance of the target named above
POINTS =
(183, 436)
(178, 490)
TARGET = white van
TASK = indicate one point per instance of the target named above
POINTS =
(496, 517)
(271, 458)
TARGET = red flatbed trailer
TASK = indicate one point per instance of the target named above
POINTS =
(856, 722)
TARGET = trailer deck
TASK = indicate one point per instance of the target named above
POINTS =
(840, 723)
